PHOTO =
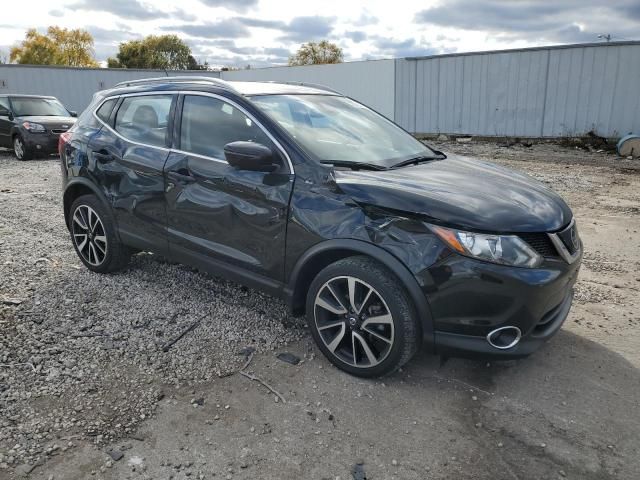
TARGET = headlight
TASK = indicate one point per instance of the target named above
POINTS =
(33, 127)
(503, 249)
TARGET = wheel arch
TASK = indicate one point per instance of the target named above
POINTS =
(325, 253)
(75, 189)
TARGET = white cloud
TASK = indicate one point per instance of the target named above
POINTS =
(263, 32)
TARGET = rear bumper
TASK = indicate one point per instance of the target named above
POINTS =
(470, 346)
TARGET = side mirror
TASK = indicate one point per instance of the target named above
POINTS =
(5, 113)
(250, 156)
(73, 113)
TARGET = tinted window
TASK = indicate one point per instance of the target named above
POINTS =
(208, 124)
(104, 111)
(144, 119)
(4, 103)
(47, 107)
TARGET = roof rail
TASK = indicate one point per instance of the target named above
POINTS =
(177, 79)
(307, 84)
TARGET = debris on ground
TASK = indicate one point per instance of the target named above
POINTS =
(288, 358)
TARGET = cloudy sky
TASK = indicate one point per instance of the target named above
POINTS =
(266, 32)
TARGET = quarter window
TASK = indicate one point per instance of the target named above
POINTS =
(208, 124)
(145, 119)
(104, 112)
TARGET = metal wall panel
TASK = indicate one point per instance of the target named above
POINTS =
(538, 92)
(74, 87)
(371, 83)
(549, 92)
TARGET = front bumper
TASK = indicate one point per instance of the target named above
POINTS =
(470, 298)
(45, 143)
(457, 345)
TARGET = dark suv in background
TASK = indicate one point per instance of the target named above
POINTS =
(384, 243)
(32, 124)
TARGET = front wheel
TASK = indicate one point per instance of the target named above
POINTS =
(361, 317)
(20, 149)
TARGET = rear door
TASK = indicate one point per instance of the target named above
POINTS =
(128, 155)
(219, 216)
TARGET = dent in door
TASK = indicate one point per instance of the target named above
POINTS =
(232, 212)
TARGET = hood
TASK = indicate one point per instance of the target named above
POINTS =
(461, 192)
(49, 121)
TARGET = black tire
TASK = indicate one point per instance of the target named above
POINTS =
(401, 340)
(21, 150)
(111, 255)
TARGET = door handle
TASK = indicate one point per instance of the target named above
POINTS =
(181, 177)
(102, 156)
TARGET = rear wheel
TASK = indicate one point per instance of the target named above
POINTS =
(94, 236)
(20, 149)
(361, 317)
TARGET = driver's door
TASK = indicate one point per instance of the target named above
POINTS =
(219, 217)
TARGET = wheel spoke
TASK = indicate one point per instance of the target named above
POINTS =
(376, 334)
(100, 249)
(84, 240)
(365, 346)
(335, 295)
(353, 349)
(364, 302)
(90, 221)
(77, 217)
(92, 250)
(322, 303)
(379, 319)
(351, 283)
(338, 338)
(331, 325)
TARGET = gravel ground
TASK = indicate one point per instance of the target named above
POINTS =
(83, 366)
(83, 354)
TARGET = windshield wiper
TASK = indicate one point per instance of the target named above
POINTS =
(420, 159)
(353, 165)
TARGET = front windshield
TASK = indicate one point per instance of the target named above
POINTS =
(47, 107)
(337, 129)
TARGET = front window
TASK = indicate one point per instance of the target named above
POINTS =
(337, 129)
(208, 124)
(45, 107)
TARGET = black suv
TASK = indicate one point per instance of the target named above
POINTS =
(384, 243)
(32, 124)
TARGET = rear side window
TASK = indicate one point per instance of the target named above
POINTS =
(208, 124)
(145, 119)
(104, 112)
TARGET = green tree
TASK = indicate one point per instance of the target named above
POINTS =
(313, 53)
(155, 51)
(59, 46)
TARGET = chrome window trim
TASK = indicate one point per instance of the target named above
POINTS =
(562, 249)
(203, 94)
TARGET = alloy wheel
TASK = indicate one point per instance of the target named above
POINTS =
(18, 148)
(89, 235)
(354, 321)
